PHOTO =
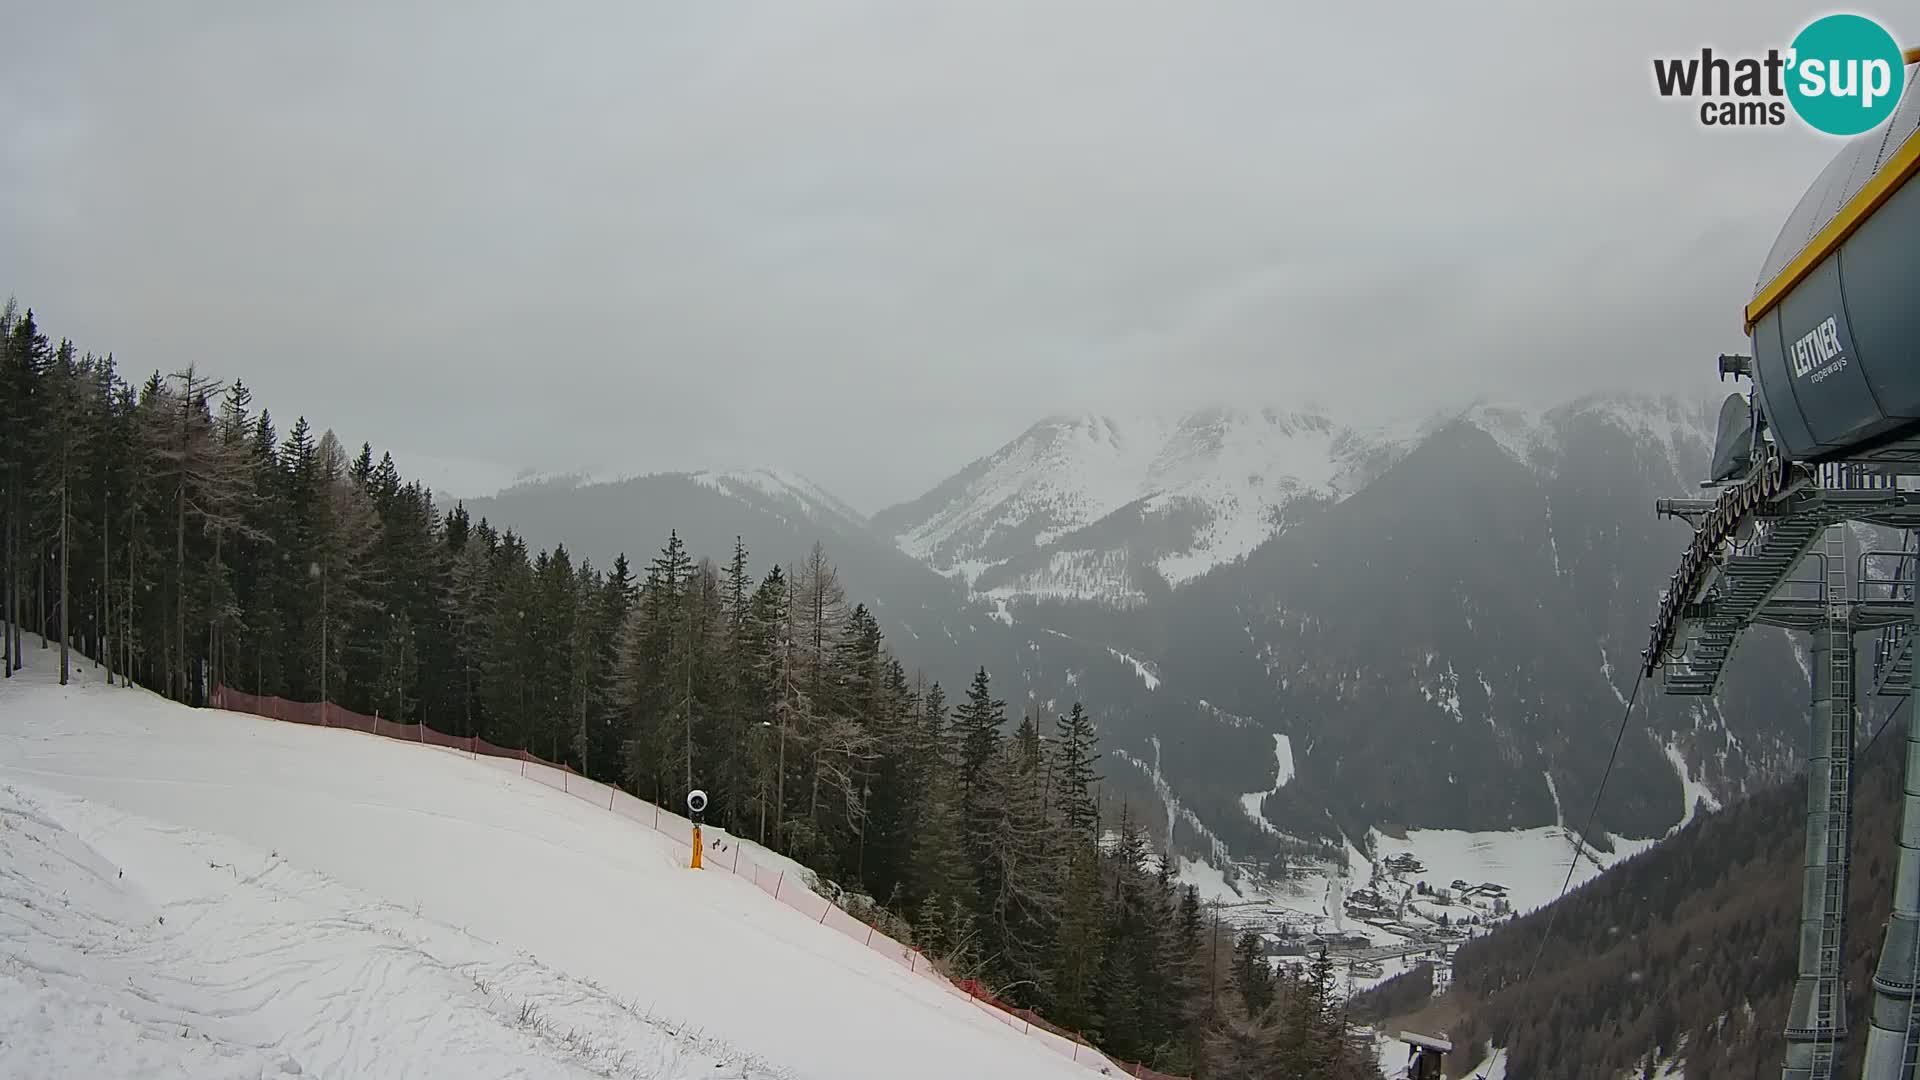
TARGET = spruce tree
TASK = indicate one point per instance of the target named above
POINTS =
(186, 541)
(893, 777)
(344, 530)
(207, 483)
(1080, 945)
(977, 737)
(1076, 753)
(1021, 875)
(820, 611)
(938, 852)
(68, 422)
(23, 380)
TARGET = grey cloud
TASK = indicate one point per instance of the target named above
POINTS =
(872, 240)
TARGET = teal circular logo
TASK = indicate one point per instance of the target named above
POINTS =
(1845, 74)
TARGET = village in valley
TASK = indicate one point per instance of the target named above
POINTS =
(1399, 918)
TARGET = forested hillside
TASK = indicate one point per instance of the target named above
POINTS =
(1685, 950)
(173, 533)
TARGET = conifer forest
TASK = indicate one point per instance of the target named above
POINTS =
(171, 530)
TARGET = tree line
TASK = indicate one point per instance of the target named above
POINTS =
(170, 533)
(1685, 951)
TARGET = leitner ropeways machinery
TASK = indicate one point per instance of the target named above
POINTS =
(1829, 435)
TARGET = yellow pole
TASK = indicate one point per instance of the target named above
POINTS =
(696, 847)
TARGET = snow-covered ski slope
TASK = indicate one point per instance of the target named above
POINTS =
(200, 893)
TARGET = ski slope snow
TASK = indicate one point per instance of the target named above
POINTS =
(199, 893)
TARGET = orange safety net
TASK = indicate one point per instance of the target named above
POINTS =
(775, 881)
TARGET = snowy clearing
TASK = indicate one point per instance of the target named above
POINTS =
(1283, 766)
(1530, 863)
(1140, 668)
(1694, 793)
(342, 904)
(1208, 879)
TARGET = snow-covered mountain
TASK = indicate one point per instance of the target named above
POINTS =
(784, 492)
(928, 619)
(1346, 587)
(1105, 508)
(1116, 510)
(1678, 429)
(1437, 616)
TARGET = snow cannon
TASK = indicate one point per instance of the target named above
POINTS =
(1834, 319)
(696, 805)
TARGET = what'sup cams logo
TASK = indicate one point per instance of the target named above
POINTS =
(1842, 75)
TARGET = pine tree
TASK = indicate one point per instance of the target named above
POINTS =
(1120, 1003)
(654, 674)
(930, 926)
(1171, 978)
(1021, 872)
(739, 589)
(977, 737)
(1076, 754)
(843, 743)
(27, 357)
(763, 701)
(207, 483)
(1026, 739)
(938, 859)
(1252, 979)
(793, 709)
(737, 699)
(710, 735)
(465, 612)
(820, 614)
(170, 530)
(894, 776)
(13, 394)
(109, 467)
(68, 423)
(1079, 947)
(344, 529)
(1248, 1047)
(253, 659)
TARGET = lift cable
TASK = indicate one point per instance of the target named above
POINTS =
(1579, 839)
(1884, 721)
(1553, 909)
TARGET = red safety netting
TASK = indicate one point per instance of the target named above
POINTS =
(775, 881)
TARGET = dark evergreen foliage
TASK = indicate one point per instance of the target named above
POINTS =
(173, 536)
(1685, 949)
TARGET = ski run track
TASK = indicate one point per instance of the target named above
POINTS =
(206, 894)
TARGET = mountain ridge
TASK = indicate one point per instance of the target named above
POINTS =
(1119, 510)
(1439, 644)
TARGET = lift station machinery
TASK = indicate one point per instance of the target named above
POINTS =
(1829, 434)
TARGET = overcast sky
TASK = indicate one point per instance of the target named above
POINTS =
(871, 241)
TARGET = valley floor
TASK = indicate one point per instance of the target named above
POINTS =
(196, 893)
